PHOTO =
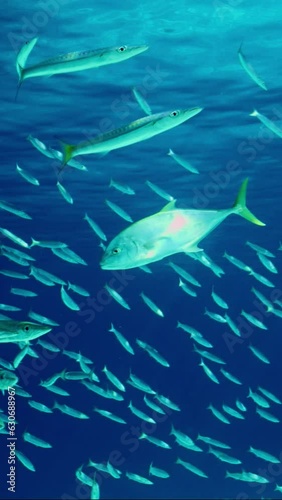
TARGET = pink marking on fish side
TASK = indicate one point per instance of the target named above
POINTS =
(178, 223)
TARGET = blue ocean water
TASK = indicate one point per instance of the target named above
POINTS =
(192, 61)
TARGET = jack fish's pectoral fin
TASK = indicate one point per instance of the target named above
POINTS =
(153, 247)
(154, 243)
(191, 249)
(169, 206)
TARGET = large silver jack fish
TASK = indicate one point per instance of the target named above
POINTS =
(168, 232)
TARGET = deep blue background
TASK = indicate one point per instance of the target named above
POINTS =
(193, 46)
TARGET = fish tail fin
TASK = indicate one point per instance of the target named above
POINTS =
(240, 48)
(19, 86)
(55, 406)
(63, 373)
(20, 71)
(21, 61)
(33, 242)
(67, 153)
(240, 206)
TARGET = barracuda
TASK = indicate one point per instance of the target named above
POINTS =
(21, 331)
(134, 132)
(72, 61)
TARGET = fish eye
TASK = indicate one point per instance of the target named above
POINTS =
(116, 250)
(174, 113)
(26, 328)
(122, 48)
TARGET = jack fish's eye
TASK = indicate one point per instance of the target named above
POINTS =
(116, 251)
(26, 328)
(122, 48)
(174, 113)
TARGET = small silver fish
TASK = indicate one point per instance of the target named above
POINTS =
(121, 187)
(95, 227)
(7, 379)
(141, 101)
(27, 176)
(65, 194)
(159, 191)
(117, 297)
(68, 301)
(119, 211)
(152, 305)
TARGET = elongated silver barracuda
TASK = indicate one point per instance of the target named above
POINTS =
(134, 132)
(72, 61)
(18, 331)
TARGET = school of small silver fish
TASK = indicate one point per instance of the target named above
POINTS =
(156, 237)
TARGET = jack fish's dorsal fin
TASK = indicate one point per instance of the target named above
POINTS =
(169, 206)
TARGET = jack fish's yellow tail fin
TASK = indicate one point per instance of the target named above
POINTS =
(240, 206)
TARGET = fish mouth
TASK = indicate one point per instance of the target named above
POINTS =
(45, 329)
(192, 111)
(105, 266)
(140, 48)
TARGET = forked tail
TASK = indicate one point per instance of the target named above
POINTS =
(67, 150)
(240, 206)
(21, 61)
